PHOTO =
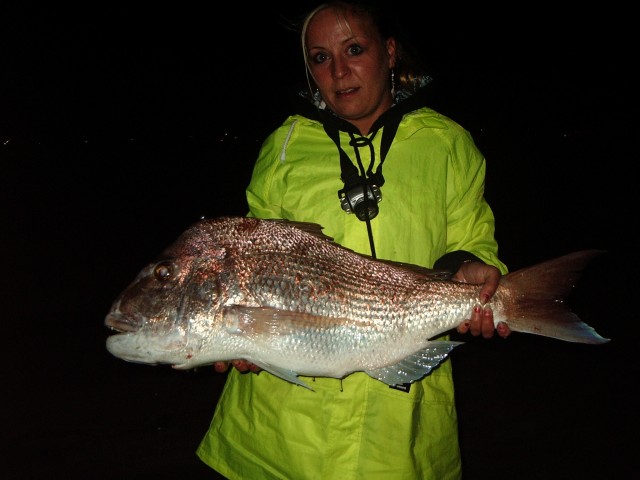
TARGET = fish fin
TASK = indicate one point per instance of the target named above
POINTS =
(415, 366)
(283, 373)
(535, 302)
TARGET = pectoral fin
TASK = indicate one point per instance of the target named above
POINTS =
(415, 366)
(283, 373)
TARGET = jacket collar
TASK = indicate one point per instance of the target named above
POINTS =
(405, 103)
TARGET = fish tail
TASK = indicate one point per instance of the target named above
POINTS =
(534, 299)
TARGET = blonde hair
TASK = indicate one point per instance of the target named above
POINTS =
(409, 70)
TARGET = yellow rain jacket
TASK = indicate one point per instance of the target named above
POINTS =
(432, 203)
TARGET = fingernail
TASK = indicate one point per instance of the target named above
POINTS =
(477, 308)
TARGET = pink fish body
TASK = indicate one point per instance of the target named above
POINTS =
(287, 298)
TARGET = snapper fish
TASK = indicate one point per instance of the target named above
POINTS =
(289, 299)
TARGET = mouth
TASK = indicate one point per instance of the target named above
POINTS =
(346, 91)
(120, 323)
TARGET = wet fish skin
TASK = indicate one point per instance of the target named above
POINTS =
(287, 298)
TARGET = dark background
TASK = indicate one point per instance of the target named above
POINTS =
(120, 126)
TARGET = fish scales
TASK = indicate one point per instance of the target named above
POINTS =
(343, 294)
(286, 297)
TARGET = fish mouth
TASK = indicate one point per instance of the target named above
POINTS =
(135, 341)
(121, 323)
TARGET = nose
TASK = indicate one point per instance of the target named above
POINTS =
(340, 68)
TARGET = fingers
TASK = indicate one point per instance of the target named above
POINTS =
(487, 327)
(503, 330)
(245, 366)
(473, 321)
(221, 367)
(489, 287)
(240, 365)
(482, 323)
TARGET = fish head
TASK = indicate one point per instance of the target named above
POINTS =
(171, 308)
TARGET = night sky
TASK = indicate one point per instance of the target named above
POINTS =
(121, 126)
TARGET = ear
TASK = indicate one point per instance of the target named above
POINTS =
(391, 51)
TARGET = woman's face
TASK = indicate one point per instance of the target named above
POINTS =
(351, 66)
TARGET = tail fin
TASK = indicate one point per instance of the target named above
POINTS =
(535, 299)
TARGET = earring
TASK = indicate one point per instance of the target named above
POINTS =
(393, 83)
(318, 101)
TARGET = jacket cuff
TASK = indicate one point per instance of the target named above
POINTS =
(452, 261)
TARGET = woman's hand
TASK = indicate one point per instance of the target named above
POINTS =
(241, 366)
(481, 321)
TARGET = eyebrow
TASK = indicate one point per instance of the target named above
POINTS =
(353, 38)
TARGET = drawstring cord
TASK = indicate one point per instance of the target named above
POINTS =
(358, 143)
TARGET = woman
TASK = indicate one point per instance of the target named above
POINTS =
(413, 182)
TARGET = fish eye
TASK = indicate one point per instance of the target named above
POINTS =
(163, 271)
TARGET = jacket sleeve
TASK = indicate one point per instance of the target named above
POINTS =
(470, 220)
(262, 203)
(452, 261)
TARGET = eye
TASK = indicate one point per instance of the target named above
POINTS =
(163, 271)
(355, 50)
(319, 58)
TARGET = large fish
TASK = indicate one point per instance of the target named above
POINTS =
(285, 297)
